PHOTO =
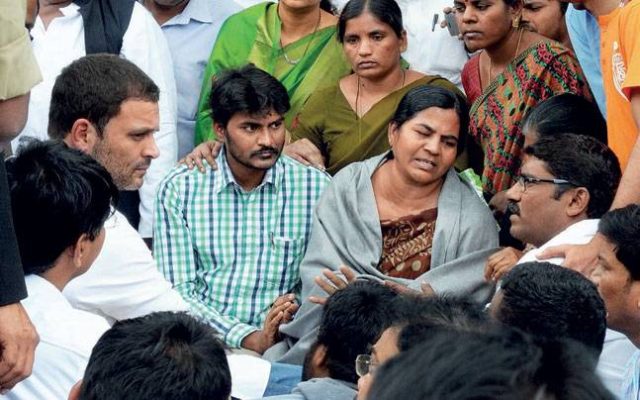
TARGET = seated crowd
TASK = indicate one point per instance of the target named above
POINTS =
(354, 215)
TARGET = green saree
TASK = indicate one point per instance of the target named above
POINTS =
(253, 36)
(330, 123)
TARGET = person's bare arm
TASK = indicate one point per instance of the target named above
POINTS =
(13, 117)
(629, 189)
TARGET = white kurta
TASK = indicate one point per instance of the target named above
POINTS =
(67, 337)
(144, 45)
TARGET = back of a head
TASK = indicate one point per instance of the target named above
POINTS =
(622, 228)
(57, 195)
(550, 301)
(247, 90)
(419, 316)
(583, 161)
(564, 113)
(94, 87)
(161, 356)
(504, 364)
(352, 321)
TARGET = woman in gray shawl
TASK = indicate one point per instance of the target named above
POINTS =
(404, 216)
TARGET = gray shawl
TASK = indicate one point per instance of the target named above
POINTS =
(346, 230)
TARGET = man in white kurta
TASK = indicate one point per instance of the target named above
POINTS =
(62, 41)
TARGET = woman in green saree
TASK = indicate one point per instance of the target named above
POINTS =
(348, 121)
(294, 40)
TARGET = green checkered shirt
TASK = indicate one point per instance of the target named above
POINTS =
(231, 253)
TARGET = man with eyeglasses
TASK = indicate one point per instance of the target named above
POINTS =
(566, 183)
(353, 320)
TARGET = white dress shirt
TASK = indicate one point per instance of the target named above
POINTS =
(67, 337)
(124, 281)
(617, 348)
(431, 50)
(143, 44)
(191, 35)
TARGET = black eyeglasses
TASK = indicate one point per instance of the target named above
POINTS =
(524, 181)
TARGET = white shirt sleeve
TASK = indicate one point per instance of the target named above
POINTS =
(144, 44)
(124, 281)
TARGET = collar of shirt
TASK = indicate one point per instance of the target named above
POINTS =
(271, 178)
(70, 10)
(46, 292)
(197, 10)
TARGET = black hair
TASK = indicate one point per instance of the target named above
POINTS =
(246, 90)
(161, 356)
(418, 316)
(426, 96)
(566, 113)
(327, 6)
(563, 7)
(584, 161)
(502, 365)
(94, 87)
(58, 194)
(622, 228)
(386, 11)
(550, 301)
(353, 320)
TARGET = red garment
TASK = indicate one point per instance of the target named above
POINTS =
(406, 244)
(471, 80)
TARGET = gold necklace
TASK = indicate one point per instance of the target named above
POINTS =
(313, 35)
(515, 54)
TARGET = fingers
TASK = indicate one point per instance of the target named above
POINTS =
(446, 10)
(348, 273)
(330, 283)
(318, 300)
(290, 312)
(213, 149)
(19, 363)
(273, 324)
(327, 287)
(552, 252)
(18, 339)
(271, 329)
(197, 162)
(399, 288)
(283, 299)
(501, 269)
(337, 281)
(489, 269)
(492, 262)
(207, 151)
(427, 290)
(280, 308)
(306, 153)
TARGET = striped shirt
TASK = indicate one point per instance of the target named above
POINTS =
(229, 252)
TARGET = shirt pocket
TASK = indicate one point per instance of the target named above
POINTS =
(283, 268)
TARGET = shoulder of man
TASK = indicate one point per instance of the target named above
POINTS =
(296, 168)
